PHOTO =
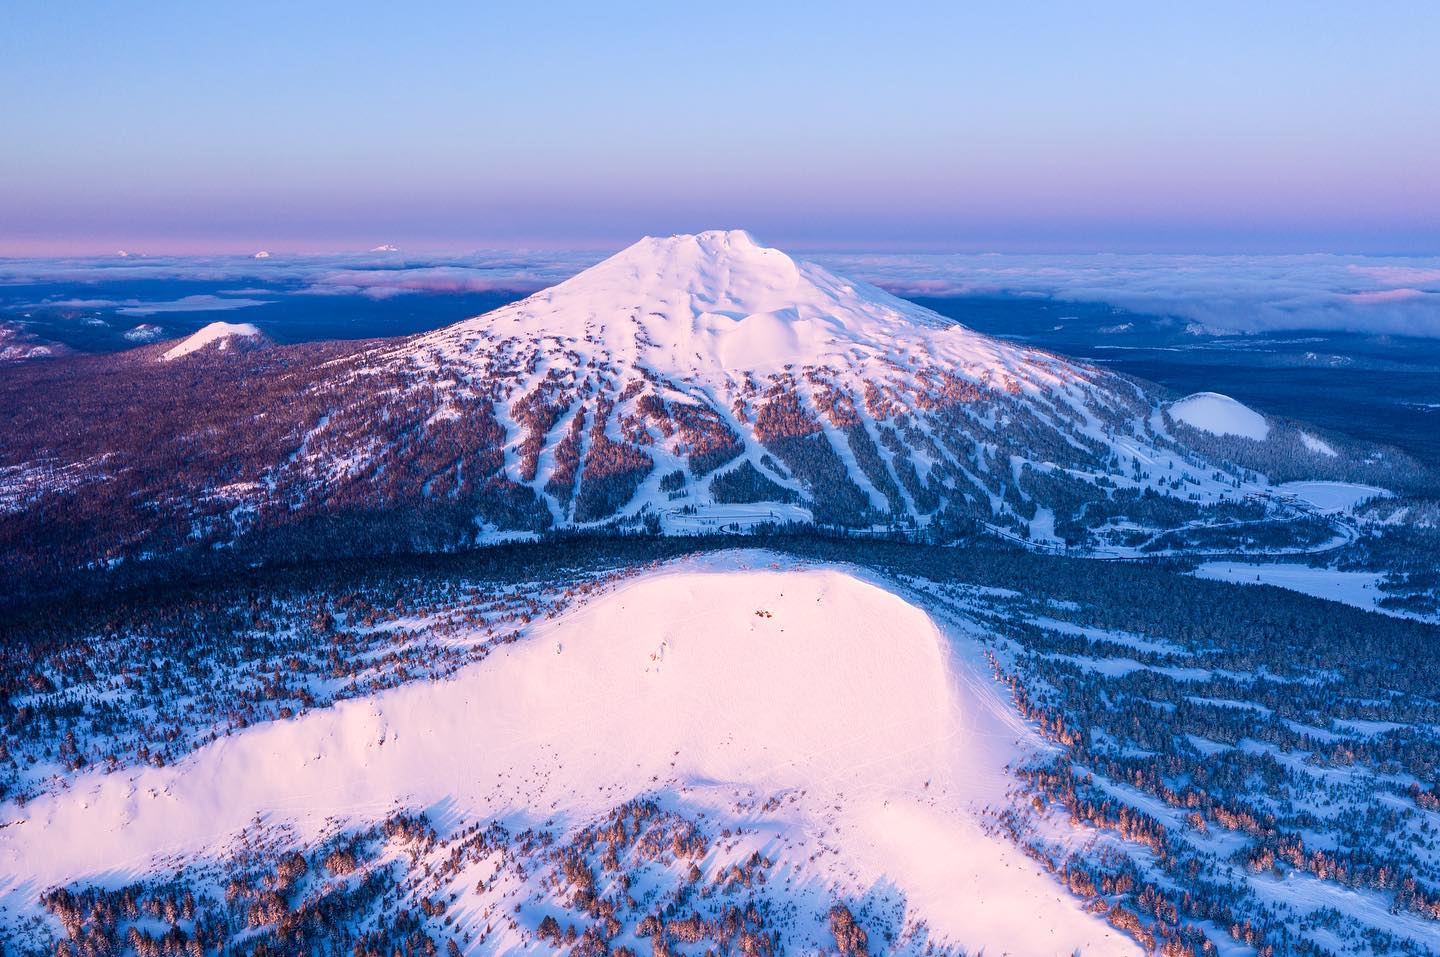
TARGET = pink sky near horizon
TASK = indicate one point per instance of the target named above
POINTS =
(1292, 126)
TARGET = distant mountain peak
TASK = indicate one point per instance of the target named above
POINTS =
(219, 337)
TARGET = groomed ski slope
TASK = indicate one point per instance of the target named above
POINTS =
(692, 682)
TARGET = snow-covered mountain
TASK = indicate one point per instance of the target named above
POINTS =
(708, 379)
(688, 383)
(217, 337)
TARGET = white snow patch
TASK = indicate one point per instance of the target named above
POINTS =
(716, 516)
(145, 332)
(1220, 415)
(1316, 444)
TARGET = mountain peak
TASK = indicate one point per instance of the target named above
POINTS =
(217, 336)
(714, 238)
(716, 299)
(711, 242)
(723, 265)
(689, 383)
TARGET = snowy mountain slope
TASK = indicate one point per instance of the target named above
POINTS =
(628, 388)
(853, 741)
(688, 383)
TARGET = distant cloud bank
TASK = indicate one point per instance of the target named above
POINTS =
(386, 283)
(139, 307)
(377, 273)
(1227, 294)
(1223, 294)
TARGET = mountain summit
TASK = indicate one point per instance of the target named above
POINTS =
(718, 301)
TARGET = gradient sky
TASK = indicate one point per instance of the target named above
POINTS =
(1216, 127)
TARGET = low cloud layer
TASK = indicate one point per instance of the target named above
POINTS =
(244, 281)
(381, 274)
(1227, 294)
(140, 307)
(388, 283)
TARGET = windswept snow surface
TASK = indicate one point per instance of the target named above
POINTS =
(692, 683)
(217, 334)
(1220, 415)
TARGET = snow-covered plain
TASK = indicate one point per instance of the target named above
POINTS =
(694, 683)
(1332, 497)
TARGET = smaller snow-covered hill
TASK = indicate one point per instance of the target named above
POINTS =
(17, 344)
(217, 337)
(1220, 415)
(807, 705)
(1219, 428)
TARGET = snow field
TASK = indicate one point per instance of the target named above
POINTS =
(1355, 588)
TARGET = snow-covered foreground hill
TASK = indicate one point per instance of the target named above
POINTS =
(806, 724)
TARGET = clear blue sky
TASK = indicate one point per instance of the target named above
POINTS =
(1126, 126)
